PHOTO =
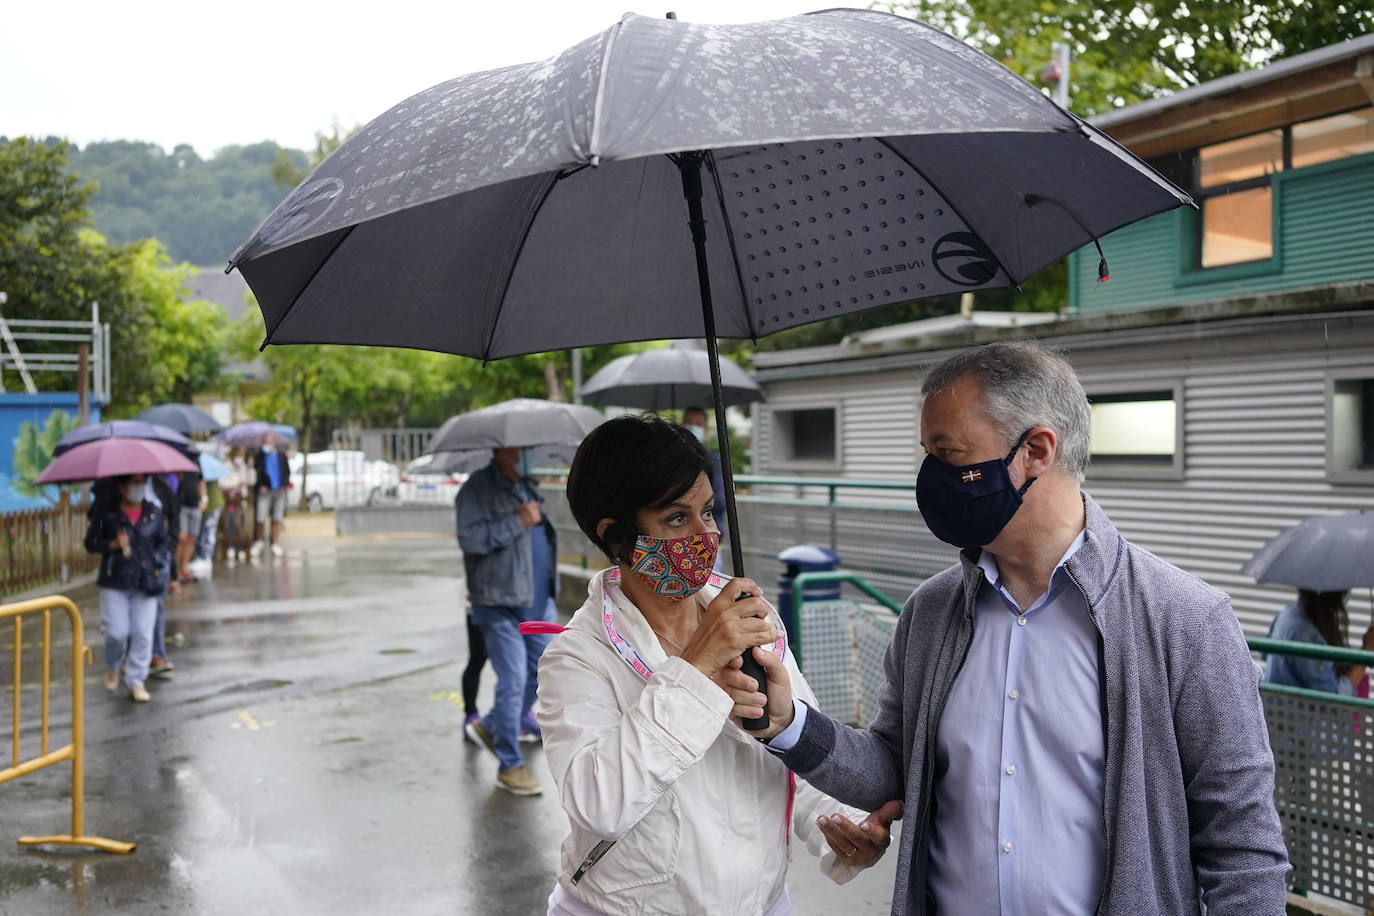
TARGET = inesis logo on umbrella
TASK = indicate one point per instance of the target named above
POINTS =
(962, 258)
(959, 257)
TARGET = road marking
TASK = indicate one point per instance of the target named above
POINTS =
(247, 721)
(452, 696)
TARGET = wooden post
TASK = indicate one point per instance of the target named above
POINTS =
(83, 377)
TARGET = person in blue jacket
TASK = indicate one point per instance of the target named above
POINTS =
(1320, 618)
(510, 558)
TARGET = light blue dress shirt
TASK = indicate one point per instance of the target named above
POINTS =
(1018, 823)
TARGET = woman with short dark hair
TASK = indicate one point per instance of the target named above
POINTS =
(673, 808)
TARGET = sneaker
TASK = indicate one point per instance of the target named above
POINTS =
(256, 550)
(160, 668)
(519, 781)
(111, 681)
(139, 694)
(472, 718)
(278, 550)
(529, 731)
(475, 731)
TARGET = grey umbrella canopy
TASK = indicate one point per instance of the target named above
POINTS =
(851, 159)
(517, 423)
(125, 429)
(668, 379)
(1331, 553)
(184, 418)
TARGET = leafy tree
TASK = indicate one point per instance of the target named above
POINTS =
(53, 265)
(1125, 51)
(33, 452)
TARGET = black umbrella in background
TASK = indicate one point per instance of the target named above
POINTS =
(671, 180)
(673, 378)
(125, 429)
(184, 418)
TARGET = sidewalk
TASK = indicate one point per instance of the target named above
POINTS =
(307, 759)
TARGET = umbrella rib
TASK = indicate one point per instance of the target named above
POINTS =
(917, 169)
(514, 263)
(730, 239)
(595, 151)
(306, 285)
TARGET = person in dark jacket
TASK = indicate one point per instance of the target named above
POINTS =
(131, 535)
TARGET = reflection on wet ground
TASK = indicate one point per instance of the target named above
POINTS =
(306, 758)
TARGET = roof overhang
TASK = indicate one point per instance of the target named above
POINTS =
(1310, 85)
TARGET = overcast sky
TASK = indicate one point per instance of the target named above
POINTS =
(212, 74)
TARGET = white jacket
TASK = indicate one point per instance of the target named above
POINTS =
(696, 806)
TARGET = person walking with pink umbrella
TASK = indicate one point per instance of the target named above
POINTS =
(131, 535)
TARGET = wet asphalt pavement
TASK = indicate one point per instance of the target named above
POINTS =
(306, 758)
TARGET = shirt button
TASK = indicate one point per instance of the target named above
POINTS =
(1014, 693)
(1007, 847)
(1020, 621)
(1011, 769)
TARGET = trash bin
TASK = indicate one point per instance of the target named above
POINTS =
(797, 560)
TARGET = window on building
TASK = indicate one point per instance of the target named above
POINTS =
(1336, 137)
(1137, 428)
(806, 436)
(1351, 427)
(1232, 181)
(1236, 198)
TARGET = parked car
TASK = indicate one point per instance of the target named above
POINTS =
(339, 477)
(428, 480)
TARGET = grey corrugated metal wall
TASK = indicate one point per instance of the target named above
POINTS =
(1254, 408)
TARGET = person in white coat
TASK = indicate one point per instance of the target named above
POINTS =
(674, 808)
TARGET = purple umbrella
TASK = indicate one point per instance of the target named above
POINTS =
(251, 434)
(124, 429)
(114, 458)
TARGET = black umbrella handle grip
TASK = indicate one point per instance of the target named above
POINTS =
(752, 668)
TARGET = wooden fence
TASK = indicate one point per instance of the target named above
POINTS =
(43, 546)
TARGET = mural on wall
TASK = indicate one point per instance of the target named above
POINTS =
(30, 426)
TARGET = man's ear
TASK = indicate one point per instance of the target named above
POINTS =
(1042, 447)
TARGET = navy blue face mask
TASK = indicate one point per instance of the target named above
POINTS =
(968, 506)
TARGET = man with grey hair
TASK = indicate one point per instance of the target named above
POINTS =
(1074, 725)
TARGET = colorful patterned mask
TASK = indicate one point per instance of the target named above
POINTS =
(675, 567)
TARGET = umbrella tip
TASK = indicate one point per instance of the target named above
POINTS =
(229, 268)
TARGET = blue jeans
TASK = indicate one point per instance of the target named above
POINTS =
(160, 625)
(515, 659)
(127, 619)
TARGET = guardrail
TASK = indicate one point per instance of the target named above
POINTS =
(73, 751)
(1323, 743)
(43, 546)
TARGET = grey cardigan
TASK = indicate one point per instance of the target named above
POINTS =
(1189, 782)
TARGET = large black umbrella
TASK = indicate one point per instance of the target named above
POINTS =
(125, 429)
(671, 180)
(184, 418)
(666, 379)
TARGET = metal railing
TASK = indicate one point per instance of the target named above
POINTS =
(1323, 743)
(74, 751)
(882, 541)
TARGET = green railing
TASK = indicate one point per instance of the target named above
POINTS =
(1256, 643)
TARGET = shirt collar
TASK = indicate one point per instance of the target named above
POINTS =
(988, 564)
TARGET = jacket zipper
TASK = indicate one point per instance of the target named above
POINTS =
(928, 778)
(1106, 744)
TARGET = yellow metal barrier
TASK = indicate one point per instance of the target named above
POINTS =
(74, 751)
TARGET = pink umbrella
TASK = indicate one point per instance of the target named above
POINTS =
(115, 457)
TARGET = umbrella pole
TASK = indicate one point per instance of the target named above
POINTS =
(689, 164)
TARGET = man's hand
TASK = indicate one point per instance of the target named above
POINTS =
(860, 845)
(529, 513)
(744, 690)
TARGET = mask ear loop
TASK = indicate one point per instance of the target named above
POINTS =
(1011, 455)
